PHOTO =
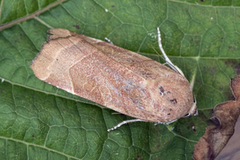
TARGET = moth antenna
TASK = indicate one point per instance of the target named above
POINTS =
(168, 61)
(175, 68)
(124, 122)
(157, 53)
(108, 40)
(193, 108)
(195, 101)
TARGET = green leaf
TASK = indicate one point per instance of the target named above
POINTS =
(40, 121)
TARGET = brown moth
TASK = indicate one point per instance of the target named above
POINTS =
(114, 77)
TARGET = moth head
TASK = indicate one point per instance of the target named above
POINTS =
(193, 110)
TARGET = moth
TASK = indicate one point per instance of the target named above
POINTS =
(114, 77)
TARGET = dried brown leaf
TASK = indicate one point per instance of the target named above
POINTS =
(224, 116)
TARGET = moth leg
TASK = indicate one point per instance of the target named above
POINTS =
(165, 123)
(116, 113)
(108, 40)
(168, 61)
(124, 122)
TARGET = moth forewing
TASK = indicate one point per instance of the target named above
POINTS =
(117, 78)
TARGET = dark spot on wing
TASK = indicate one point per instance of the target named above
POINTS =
(161, 90)
(173, 101)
